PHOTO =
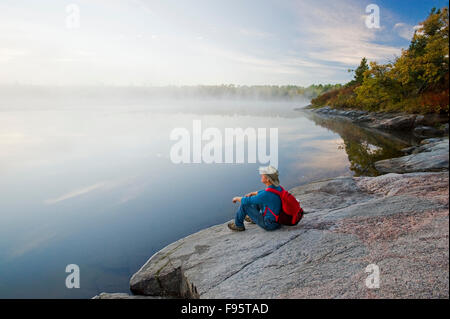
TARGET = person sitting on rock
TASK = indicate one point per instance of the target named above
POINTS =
(260, 207)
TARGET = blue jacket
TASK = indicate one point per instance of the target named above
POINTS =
(265, 199)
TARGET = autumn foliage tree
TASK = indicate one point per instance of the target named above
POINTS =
(416, 82)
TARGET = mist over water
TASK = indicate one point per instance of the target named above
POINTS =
(91, 91)
(93, 184)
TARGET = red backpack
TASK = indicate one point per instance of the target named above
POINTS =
(291, 212)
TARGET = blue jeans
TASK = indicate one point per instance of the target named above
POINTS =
(254, 212)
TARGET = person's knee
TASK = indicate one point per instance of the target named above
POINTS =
(249, 206)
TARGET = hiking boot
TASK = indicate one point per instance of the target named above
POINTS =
(233, 226)
(248, 219)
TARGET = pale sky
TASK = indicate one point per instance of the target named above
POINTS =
(190, 42)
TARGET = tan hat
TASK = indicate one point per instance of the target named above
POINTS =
(271, 173)
(267, 170)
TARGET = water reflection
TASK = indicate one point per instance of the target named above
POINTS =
(96, 187)
(364, 146)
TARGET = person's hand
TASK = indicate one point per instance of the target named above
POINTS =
(251, 194)
(236, 199)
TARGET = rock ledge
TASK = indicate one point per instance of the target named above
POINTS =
(397, 221)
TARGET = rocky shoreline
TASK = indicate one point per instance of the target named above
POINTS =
(422, 126)
(430, 156)
(398, 221)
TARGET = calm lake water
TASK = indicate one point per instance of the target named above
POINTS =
(95, 186)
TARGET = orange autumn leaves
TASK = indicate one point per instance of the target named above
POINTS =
(416, 82)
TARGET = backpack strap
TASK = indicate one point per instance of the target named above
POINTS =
(265, 212)
(273, 190)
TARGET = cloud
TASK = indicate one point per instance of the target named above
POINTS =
(195, 46)
(77, 192)
(404, 30)
(128, 183)
(31, 244)
(132, 192)
(335, 31)
(255, 33)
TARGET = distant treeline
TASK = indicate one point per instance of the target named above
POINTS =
(225, 91)
(416, 82)
(263, 91)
